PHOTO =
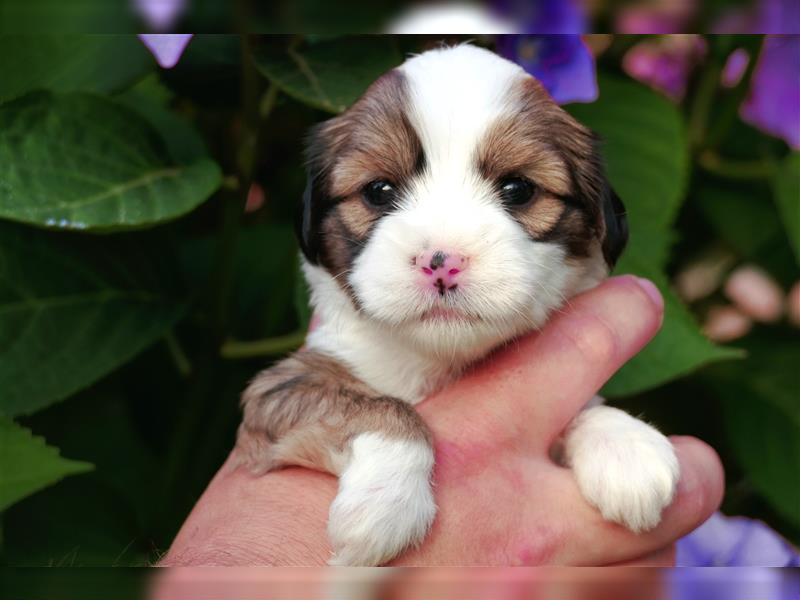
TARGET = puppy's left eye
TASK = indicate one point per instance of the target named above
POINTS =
(516, 191)
(379, 193)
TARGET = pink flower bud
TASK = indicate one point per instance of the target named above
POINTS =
(726, 323)
(793, 304)
(255, 198)
(703, 277)
(755, 293)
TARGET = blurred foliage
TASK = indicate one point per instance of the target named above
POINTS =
(137, 295)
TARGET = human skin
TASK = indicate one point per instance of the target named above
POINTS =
(501, 499)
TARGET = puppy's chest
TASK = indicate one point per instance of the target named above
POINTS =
(386, 367)
(407, 378)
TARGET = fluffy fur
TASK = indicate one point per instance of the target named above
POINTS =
(445, 131)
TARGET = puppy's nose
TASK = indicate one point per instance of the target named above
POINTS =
(441, 269)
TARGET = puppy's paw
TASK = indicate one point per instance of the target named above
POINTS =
(385, 501)
(624, 467)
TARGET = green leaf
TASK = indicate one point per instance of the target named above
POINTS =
(27, 464)
(263, 273)
(787, 195)
(678, 349)
(66, 63)
(72, 310)
(644, 146)
(741, 214)
(78, 161)
(78, 523)
(111, 509)
(331, 74)
(762, 419)
(44, 17)
(150, 99)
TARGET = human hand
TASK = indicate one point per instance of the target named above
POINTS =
(501, 499)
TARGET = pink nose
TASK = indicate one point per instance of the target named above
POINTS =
(441, 269)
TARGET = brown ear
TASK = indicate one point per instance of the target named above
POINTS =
(592, 188)
(322, 144)
(307, 220)
(616, 224)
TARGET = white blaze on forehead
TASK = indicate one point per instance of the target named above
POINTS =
(455, 95)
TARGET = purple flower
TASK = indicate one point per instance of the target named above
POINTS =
(159, 15)
(664, 63)
(777, 16)
(557, 56)
(562, 63)
(166, 47)
(735, 67)
(731, 584)
(773, 103)
(735, 542)
(543, 16)
(655, 17)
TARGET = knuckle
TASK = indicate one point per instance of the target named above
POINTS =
(594, 339)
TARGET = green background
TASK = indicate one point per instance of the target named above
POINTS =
(127, 336)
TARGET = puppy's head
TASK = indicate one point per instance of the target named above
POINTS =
(456, 203)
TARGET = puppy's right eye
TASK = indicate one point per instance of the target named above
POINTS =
(379, 193)
(516, 191)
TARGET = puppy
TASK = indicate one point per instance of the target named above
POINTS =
(451, 209)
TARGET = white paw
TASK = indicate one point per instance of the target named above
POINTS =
(385, 502)
(624, 467)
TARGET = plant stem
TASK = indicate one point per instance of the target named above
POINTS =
(736, 169)
(268, 102)
(702, 103)
(256, 111)
(182, 363)
(201, 397)
(727, 113)
(273, 346)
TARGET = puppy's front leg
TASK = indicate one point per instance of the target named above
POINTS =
(310, 411)
(623, 466)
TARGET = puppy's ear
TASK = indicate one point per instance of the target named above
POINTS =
(611, 221)
(615, 236)
(307, 221)
(321, 147)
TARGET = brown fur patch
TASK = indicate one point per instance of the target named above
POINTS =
(372, 140)
(515, 146)
(307, 408)
(356, 216)
(542, 216)
(344, 231)
(541, 141)
(573, 231)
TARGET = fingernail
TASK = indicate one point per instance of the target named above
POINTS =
(651, 290)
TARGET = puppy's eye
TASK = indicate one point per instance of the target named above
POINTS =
(379, 193)
(516, 191)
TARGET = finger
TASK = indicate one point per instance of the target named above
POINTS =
(663, 557)
(699, 494)
(232, 523)
(536, 385)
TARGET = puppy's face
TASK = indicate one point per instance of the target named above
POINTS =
(457, 204)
